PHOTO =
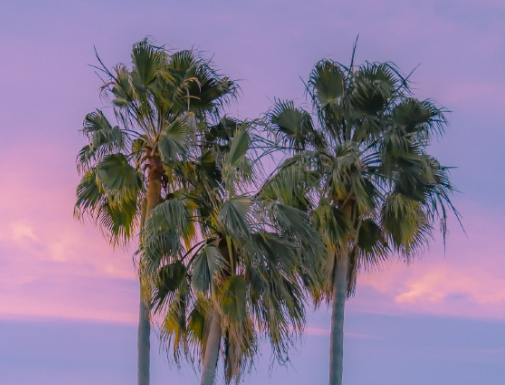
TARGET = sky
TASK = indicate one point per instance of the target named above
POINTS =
(69, 304)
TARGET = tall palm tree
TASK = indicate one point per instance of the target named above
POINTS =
(157, 104)
(360, 165)
(226, 267)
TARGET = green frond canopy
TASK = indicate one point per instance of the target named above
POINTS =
(359, 165)
(110, 199)
(158, 104)
(241, 253)
(294, 123)
(177, 173)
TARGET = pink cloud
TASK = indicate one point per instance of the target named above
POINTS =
(55, 266)
(52, 265)
(468, 281)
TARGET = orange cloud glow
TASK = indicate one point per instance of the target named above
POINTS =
(467, 281)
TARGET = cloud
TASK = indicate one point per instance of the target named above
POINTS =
(20, 232)
(49, 261)
(453, 284)
(52, 265)
(467, 281)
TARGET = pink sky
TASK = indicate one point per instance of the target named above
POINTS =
(468, 280)
(55, 266)
(72, 268)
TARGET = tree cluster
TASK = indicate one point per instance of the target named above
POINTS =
(227, 255)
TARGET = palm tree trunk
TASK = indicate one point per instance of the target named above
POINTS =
(337, 319)
(143, 344)
(144, 330)
(212, 350)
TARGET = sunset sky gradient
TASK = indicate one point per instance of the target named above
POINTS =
(68, 304)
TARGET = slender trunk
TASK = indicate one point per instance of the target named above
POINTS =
(144, 330)
(337, 319)
(212, 350)
(211, 353)
(143, 344)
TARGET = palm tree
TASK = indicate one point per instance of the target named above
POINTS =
(225, 266)
(360, 165)
(157, 104)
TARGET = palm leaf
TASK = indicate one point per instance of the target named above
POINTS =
(208, 263)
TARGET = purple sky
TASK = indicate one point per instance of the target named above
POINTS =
(68, 304)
